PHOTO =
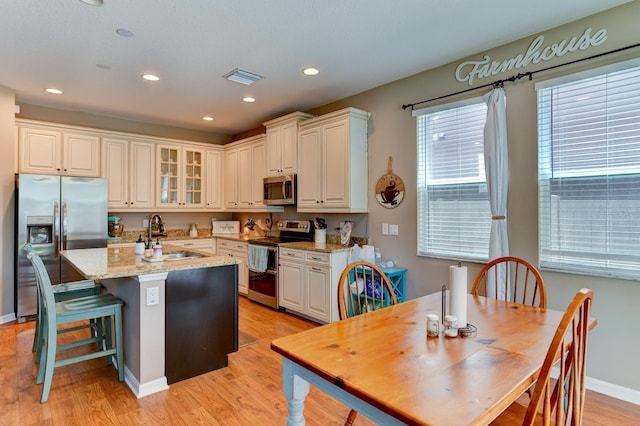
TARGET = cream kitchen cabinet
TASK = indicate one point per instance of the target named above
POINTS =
(244, 171)
(180, 177)
(332, 163)
(238, 250)
(251, 171)
(51, 150)
(308, 282)
(282, 144)
(213, 184)
(129, 167)
(231, 179)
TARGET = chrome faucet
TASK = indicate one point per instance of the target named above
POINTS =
(156, 226)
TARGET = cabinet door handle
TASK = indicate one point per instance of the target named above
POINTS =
(316, 258)
(316, 269)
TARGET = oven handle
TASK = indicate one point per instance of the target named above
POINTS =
(270, 248)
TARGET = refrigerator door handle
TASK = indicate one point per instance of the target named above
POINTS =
(64, 225)
(56, 229)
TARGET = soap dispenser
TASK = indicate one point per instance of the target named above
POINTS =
(140, 246)
(157, 249)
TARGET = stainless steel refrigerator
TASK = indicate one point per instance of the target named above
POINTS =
(55, 213)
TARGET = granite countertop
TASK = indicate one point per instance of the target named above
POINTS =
(119, 262)
(312, 246)
(330, 246)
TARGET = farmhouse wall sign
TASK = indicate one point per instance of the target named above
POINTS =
(470, 70)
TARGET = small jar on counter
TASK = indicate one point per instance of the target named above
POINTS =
(450, 326)
(433, 326)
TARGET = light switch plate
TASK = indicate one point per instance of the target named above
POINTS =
(393, 229)
(385, 229)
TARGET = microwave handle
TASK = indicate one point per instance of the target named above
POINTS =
(284, 188)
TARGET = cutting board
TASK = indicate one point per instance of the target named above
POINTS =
(225, 227)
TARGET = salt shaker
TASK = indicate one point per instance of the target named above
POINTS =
(433, 326)
(450, 326)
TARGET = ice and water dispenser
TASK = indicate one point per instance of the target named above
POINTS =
(40, 229)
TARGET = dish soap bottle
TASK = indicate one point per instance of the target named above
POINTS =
(140, 246)
(148, 251)
(157, 249)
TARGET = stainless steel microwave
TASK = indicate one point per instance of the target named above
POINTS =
(280, 190)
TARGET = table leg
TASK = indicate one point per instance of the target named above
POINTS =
(295, 389)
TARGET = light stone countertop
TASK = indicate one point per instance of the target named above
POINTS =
(119, 262)
(328, 247)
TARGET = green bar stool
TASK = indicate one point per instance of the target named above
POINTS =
(103, 309)
(65, 291)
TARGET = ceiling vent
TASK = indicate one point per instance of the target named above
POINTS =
(241, 76)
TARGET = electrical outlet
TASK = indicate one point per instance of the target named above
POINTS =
(385, 229)
(153, 296)
(393, 229)
(145, 223)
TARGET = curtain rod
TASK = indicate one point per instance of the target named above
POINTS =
(500, 83)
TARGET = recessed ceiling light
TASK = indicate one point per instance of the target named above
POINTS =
(249, 99)
(150, 77)
(207, 118)
(53, 91)
(310, 71)
(123, 32)
(93, 2)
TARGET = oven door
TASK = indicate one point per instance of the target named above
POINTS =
(263, 286)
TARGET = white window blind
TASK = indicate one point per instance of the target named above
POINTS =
(454, 216)
(589, 174)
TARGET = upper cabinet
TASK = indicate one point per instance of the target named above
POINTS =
(244, 171)
(129, 167)
(333, 163)
(213, 185)
(52, 151)
(282, 143)
(180, 176)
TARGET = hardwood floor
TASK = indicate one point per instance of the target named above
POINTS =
(248, 392)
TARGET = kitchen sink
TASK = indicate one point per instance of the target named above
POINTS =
(181, 255)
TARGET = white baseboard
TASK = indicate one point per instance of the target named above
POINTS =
(606, 388)
(8, 318)
(144, 389)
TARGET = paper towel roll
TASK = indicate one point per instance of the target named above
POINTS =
(458, 293)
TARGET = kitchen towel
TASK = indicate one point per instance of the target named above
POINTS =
(458, 294)
(257, 261)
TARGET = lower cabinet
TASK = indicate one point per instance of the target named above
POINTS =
(239, 250)
(308, 282)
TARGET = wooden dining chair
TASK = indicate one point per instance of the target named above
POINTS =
(363, 287)
(524, 280)
(560, 402)
(104, 309)
(64, 291)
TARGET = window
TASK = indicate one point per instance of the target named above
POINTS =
(589, 172)
(454, 216)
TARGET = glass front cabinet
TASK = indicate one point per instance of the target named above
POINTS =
(180, 177)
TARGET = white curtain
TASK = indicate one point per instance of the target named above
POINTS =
(496, 161)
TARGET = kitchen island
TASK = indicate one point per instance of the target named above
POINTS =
(180, 314)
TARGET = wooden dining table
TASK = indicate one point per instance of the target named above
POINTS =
(383, 364)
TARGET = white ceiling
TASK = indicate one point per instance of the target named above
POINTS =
(191, 44)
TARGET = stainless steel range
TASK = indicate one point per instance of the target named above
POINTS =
(263, 284)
